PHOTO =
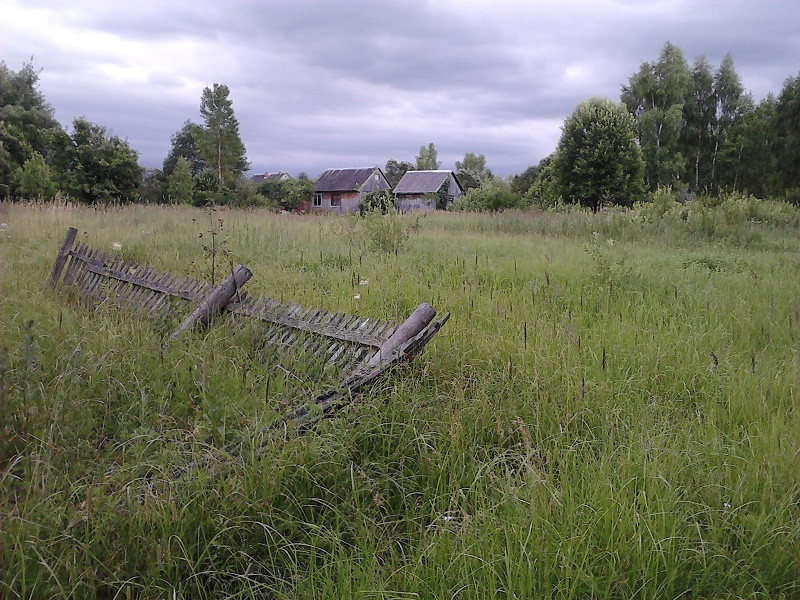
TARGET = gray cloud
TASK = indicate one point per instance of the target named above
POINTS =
(320, 83)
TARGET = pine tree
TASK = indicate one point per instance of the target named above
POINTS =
(219, 141)
(179, 182)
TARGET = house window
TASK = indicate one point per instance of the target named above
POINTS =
(336, 200)
(317, 200)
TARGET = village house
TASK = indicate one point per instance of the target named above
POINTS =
(423, 190)
(266, 176)
(341, 190)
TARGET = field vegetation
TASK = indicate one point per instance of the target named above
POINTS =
(612, 410)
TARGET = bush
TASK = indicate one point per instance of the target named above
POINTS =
(598, 161)
(375, 231)
(544, 191)
(35, 180)
(492, 196)
(382, 201)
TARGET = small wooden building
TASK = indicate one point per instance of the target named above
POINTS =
(420, 190)
(341, 190)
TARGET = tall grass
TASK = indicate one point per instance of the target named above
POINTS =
(610, 412)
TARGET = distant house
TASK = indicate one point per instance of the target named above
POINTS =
(341, 190)
(419, 190)
(279, 176)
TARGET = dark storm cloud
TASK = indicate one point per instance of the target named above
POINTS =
(318, 83)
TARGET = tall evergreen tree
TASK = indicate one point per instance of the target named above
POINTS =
(219, 142)
(179, 183)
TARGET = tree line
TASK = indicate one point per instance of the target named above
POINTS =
(692, 129)
(38, 158)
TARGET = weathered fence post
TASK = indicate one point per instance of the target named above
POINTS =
(62, 256)
(416, 322)
(215, 301)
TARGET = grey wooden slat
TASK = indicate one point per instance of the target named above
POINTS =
(72, 265)
(62, 256)
(339, 350)
(345, 340)
(103, 270)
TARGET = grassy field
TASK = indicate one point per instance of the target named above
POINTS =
(612, 411)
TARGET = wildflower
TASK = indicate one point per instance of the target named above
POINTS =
(116, 246)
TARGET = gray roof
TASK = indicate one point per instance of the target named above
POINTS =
(270, 176)
(344, 180)
(421, 182)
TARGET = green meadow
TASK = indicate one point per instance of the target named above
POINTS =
(612, 410)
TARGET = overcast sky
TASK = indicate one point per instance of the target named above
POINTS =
(324, 83)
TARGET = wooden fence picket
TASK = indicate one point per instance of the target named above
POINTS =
(363, 348)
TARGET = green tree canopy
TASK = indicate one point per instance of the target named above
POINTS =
(655, 97)
(179, 183)
(522, 182)
(27, 124)
(184, 144)
(99, 168)
(219, 141)
(395, 170)
(787, 124)
(731, 103)
(34, 179)
(428, 158)
(492, 196)
(697, 141)
(474, 165)
(598, 161)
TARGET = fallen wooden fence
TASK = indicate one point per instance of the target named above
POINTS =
(362, 349)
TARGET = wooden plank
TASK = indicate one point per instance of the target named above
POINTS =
(215, 301)
(69, 275)
(414, 324)
(101, 269)
(61, 257)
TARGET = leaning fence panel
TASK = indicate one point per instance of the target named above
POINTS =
(361, 348)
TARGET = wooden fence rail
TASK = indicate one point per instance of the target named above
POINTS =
(362, 348)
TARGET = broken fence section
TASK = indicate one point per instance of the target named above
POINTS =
(362, 348)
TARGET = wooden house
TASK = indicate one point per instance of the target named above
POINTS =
(341, 190)
(422, 190)
(279, 176)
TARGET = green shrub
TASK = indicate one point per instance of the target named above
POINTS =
(382, 201)
(375, 230)
(491, 196)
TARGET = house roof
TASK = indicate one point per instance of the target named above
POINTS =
(280, 175)
(421, 182)
(343, 180)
